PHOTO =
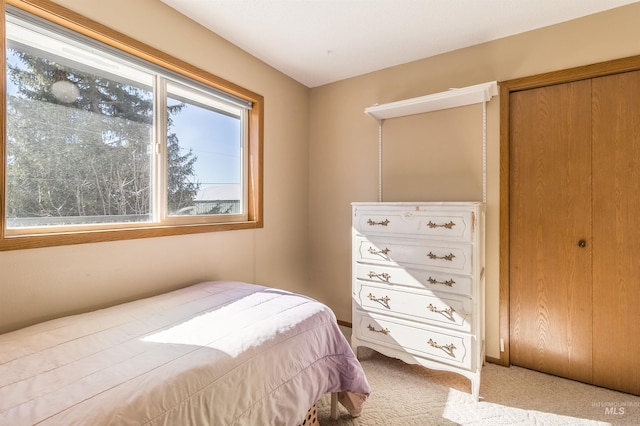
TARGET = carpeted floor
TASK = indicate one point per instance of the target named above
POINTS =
(405, 395)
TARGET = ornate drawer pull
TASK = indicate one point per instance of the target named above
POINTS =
(383, 223)
(449, 257)
(447, 348)
(382, 330)
(384, 301)
(374, 251)
(448, 283)
(382, 277)
(449, 225)
(449, 311)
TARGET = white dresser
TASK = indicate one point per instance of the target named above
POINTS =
(418, 283)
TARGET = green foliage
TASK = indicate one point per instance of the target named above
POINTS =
(90, 157)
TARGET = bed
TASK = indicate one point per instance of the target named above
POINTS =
(215, 353)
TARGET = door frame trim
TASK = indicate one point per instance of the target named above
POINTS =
(600, 69)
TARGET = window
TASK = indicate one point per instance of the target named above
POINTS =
(101, 144)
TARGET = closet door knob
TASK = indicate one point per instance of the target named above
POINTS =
(582, 243)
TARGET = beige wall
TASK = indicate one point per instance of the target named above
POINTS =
(343, 140)
(320, 155)
(42, 283)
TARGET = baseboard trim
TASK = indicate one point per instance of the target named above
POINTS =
(345, 324)
(493, 360)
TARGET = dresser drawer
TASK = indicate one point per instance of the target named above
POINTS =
(450, 348)
(451, 312)
(415, 278)
(432, 254)
(448, 225)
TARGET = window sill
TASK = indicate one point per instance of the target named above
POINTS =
(20, 242)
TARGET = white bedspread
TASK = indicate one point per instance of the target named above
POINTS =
(216, 353)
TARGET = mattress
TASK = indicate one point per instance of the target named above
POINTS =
(215, 353)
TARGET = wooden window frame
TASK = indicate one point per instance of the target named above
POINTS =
(71, 20)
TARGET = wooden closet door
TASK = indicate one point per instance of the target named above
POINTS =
(550, 230)
(616, 232)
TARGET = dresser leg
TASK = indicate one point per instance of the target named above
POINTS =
(475, 388)
(354, 348)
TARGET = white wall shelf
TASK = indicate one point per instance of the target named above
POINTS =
(450, 99)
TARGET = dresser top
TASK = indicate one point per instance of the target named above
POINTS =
(418, 203)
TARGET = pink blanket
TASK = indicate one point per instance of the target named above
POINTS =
(216, 353)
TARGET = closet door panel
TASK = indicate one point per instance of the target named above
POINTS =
(550, 213)
(616, 231)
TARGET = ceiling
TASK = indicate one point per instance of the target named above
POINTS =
(321, 41)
